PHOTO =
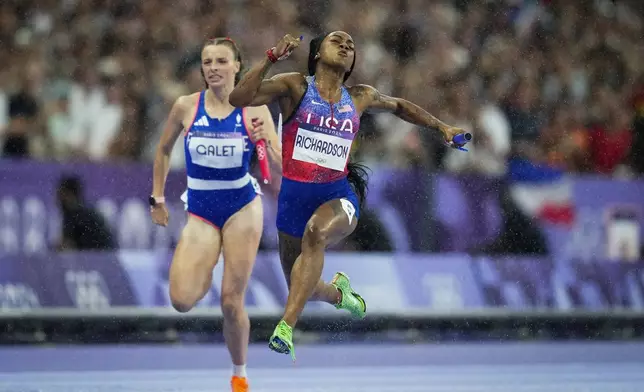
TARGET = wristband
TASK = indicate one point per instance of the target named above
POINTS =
(271, 55)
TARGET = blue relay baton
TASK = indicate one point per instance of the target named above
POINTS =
(461, 139)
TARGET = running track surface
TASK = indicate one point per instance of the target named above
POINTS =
(455, 367)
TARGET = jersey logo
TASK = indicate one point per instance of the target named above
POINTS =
(203, 122)
(256, 186)
(345, 109)
(348, 208)
(331, 123)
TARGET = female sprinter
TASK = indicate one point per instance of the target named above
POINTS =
(224, 210)
(321, 192)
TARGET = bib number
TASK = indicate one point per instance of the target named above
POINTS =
(324, 147)
(217, 151)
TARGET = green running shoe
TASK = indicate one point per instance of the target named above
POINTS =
(282, 340)
(351, 300)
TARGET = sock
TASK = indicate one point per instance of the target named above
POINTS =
(239, 370)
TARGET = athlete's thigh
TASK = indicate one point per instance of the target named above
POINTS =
(196, 255)
(289, 248)
(333, 220)
(241, 235)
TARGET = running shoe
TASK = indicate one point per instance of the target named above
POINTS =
(351, 301)
(282, 339)
(239, 384)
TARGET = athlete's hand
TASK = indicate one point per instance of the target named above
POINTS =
(286, 46)
(448, 134)
(258, 132)
(160, 214)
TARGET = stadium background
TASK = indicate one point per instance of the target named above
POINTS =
(532, 234)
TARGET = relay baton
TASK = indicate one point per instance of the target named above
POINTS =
(461, 139)
(262, 156)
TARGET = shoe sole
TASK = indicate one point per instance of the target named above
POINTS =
(278, 345)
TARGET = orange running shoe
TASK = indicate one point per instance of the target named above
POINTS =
(239, 384)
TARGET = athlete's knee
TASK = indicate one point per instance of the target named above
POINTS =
(182, 305)
(182, 299)
(232, 304)
(315, 234)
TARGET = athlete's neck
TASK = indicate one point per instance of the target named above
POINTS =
(329, 82)
(218, 96)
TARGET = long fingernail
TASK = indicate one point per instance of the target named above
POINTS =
(301, 37)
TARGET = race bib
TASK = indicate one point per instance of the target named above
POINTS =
(323, 146)
(217, 150)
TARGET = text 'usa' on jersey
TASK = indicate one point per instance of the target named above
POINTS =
(217, 149)
(317, 139)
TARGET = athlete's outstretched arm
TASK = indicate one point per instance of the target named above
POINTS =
(372, 100)
(254, 89)
(171, 132)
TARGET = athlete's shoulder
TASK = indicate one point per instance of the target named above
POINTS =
(184, 106)
(292, 79)
(364, 96)
(290, 76)
(190, 99)
(187, 102)
(363, 91)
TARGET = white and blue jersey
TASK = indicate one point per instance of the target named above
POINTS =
(218, 154)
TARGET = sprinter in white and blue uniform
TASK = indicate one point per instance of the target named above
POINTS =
(218, 154)
(224, 211)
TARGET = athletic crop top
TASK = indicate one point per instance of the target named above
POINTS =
(317, 138)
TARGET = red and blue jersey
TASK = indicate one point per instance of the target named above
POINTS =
(317, 138)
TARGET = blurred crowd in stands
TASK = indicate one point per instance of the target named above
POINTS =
(554, 84)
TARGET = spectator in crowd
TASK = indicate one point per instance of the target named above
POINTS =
(636, 156)
(611, 135)
(23, 111)
(83, 227)
(520, 234)
(564, 142)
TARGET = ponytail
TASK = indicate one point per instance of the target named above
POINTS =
(358, 177)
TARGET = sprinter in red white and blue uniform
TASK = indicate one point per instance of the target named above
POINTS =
(322, 191)
(224, 210)
(316, 144)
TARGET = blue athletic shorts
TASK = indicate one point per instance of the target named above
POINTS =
(298, 201)
(217, 206)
